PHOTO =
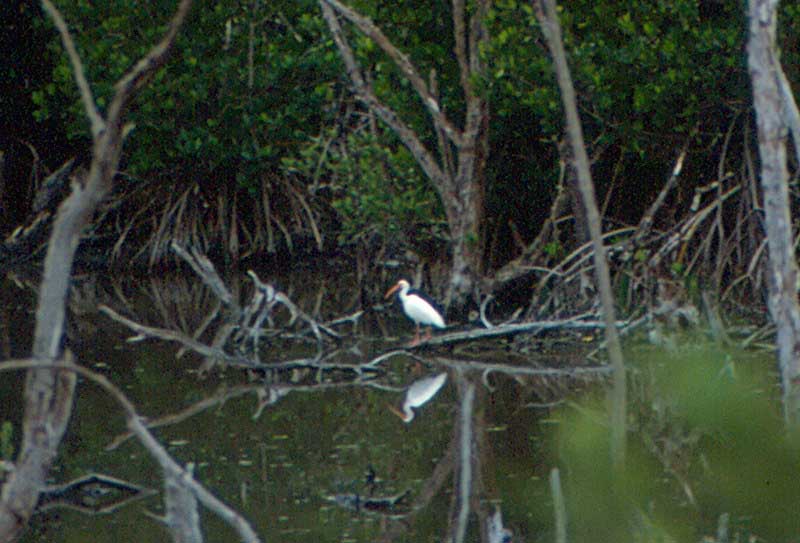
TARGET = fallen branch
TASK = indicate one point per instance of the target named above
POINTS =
(273, 295)
(513, 329)
(172, 470)
(208, 351)
(179, 337)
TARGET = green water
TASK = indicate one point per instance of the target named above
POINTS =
(282, 469)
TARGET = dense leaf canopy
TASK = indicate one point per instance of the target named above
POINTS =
(259, 86)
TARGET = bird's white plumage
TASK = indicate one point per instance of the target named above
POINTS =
(416, 307)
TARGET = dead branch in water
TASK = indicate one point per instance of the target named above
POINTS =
(202, 349)
(517, 328)
(136, 425)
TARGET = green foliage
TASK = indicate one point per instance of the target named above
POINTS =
(376, 188)
(638, 68)
(707, 440)
(202, 118)
(648, 75)
(202, 114)
(554, 249)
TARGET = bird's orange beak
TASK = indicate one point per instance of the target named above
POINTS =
(396, 411)
(391, 291)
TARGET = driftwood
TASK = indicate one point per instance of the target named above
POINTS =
(209, 351)
(243, 325)
(513, 329)
(273, 296)
(187, 341)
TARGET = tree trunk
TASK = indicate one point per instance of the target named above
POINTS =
(769, 102)
(547, 15)
(460, 191)
(462, 216)
(48, 392)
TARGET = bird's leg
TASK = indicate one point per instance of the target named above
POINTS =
(416, 338)
(428, 334)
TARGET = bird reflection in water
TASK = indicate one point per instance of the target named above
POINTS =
(419, 393)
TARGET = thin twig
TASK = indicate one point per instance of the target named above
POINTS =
(95, 119)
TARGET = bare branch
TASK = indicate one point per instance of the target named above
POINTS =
(178, 337)
(143, 70)
(95, 119)
(460, 35)
(402, 61)
(426, 160)
(647, 219)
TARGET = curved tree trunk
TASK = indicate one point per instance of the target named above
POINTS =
(456, 168)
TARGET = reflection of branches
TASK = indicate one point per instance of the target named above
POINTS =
(92, 494)
(267, 395)
(194, 409)
(465, 479)
(487, 368)
(172, 470)
(431, 487)
(465, 458)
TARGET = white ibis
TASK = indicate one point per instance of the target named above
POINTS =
(419, 393)
(418, 307)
